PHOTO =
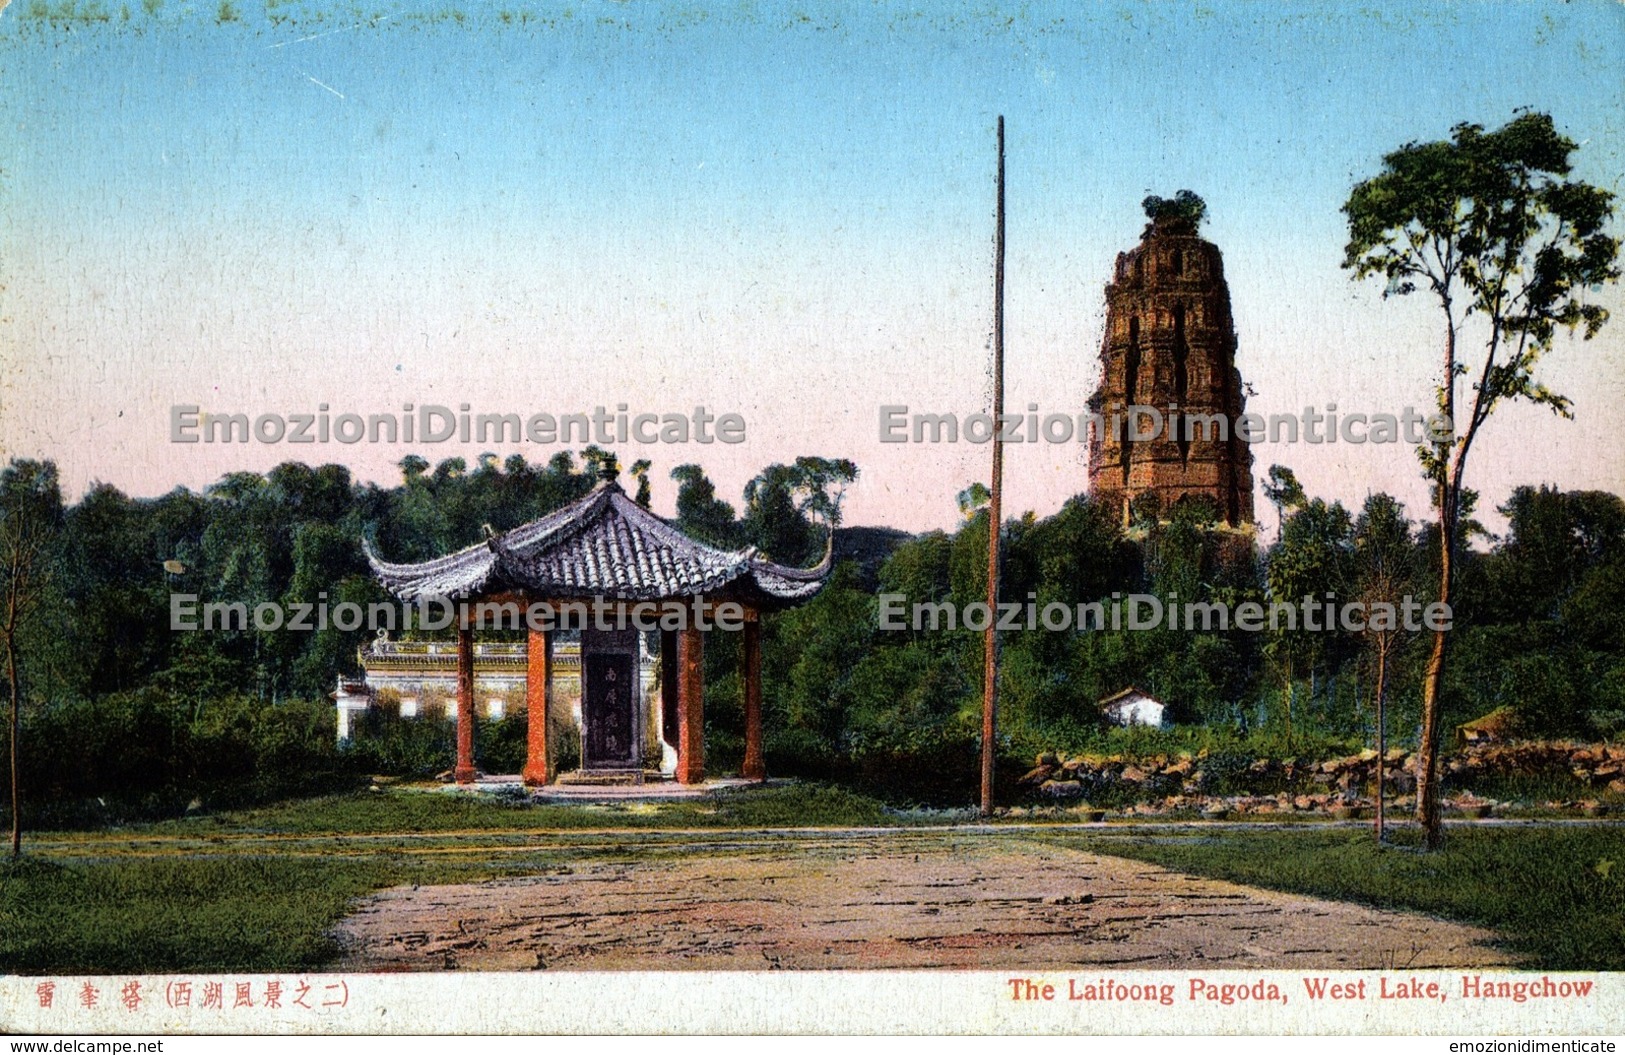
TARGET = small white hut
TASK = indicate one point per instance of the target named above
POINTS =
(1133, 706)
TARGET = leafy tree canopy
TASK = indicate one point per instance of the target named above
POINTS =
(1185, 206)
(1492, 225)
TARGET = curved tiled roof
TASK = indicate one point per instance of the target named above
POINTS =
(603, 545)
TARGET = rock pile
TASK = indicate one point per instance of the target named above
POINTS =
(1216, 781)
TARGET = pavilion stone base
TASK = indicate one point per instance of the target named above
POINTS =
(608, 777)
(652, 789)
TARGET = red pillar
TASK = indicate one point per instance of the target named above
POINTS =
(755, 768)
(690, 707)
(538, 702)
(464, 772)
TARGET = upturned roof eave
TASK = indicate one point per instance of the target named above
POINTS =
(513, 562)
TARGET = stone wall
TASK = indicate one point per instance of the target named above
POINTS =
(1595, 773)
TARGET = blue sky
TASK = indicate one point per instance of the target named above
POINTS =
(783, 210)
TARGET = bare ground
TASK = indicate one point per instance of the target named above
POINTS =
(893, 902)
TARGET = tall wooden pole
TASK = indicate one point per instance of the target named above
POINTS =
(463, 772)
(990, 664)
(16, 731)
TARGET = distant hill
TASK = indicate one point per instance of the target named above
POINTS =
(868, 547)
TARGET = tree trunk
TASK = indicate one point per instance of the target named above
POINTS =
(1449, 493)
(1382, 738)
(1289, 706)
(16, 776)
(1427, 753)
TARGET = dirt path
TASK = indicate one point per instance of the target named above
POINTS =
(884, 903)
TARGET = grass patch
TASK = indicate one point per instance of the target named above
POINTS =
(414, 810)
(1555, 894)
(801, 806)
(227, 911)
(258, 890)
(141, 915)
(206, 893)
(1530, 788)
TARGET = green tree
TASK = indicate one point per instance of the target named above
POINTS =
(30, 514)
(1284, 492)
(1554, 539)
(918, 571)
(784, 503)
(412, 467)
(700, 513)
(972, 498)
(1384, 574)
(327, 570)
(1310, 562)
(640, 473)
(1185, 207)
(1490, 224)
(113, 579)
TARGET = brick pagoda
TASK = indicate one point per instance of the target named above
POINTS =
(1170, 342)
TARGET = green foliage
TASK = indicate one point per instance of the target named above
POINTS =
(640, 473)
(121, 710)
(1489, 223)
(700, 513)
(1545, 637)
(808, 659)
(973, 498)
(148, 753)
(1555, 556)
(1284, 492)
(783, 502)
(1491, 214)
(1185, 207)
(381, 741)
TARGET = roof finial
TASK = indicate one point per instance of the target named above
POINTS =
(608, 468)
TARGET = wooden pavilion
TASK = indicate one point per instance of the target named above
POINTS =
(608, 556)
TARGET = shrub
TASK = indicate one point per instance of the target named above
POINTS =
(151, 752)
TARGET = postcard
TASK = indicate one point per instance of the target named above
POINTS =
(580, 516)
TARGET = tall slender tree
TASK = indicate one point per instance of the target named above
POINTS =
(30, 511)
(1310, 562)
(1285, 493)
(700, 512)
(1492, 226)
(1384, 572)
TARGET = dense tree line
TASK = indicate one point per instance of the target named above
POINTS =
(113, 701)
(292, 536)
(1533, 612)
